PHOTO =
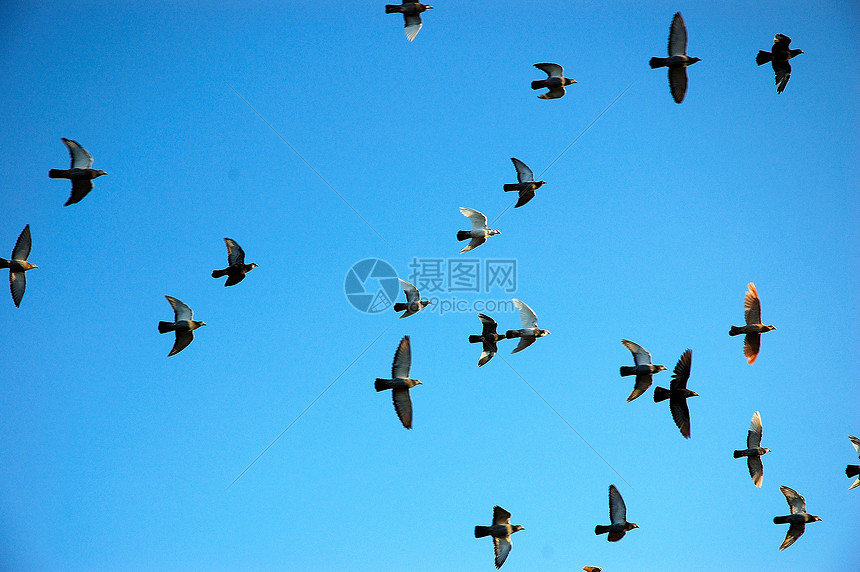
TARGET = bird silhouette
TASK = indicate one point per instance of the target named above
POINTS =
(80, 173)
(411, 16)
(400, 382)
(754, 450)
(854, 470)
(526, 185)
(479, 232)
(555, 81)
(18, 265)
(488, 337)
(183, 324)
(753, 328)
(530, 331)
(414, 303)
(501, 531)
(678, 393)
(236, 268)
(643, 370)
(797, 519)
(778, 57)
(678, 59)
(617, 516)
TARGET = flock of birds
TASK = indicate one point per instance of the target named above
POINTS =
(81, 174)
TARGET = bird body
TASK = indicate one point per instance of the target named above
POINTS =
(778, 56)
(617, 516)
(489, 337)
(81, 173)
(854, 470)
(400, 382)
(797, 519)
(530, 331)
(754, 450)
(236, 268)
(18, 265)
(411, 16)
(183, 324)
(555, 81)
(643, 370)
(525, 185)
(479, 233)
(753, 328)
(678, 393)
(501, 531)
(414, 303)
(678, 59)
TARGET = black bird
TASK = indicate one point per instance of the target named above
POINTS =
(617, 516)
(400, 382)
(754, 450)
(80, 173)
(678, 393)
(854, 470)
(488, 337)
(236, 268)
(526, 184)
(678, 59)
(753, 328)
(183, 324)
(411, 16)
(797, 519)
(643, 370)
(18, 265)
(501, 531)
(778, 57)
(555, 81)
(414, 303)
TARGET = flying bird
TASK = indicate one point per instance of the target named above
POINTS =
(400, 382)
(18, 265)
(501, 531)
(643, 370)
(236, 267)
(797, 519)
(80, 173)
(854, 470)
(526, 185)
(479, 232)
(414, 303)
(754, 450)
(753, 328)
(530, 331)
(183, 324)
(778, 57)
(555, 81)
(678, 59)
(411, 16)
(488, 337)
(592, 569)
(617, 516)
(678, 393)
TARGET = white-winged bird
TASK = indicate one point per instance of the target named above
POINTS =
(778, 57)
(754, 450)
(411, 16)
(488, 337)
(617, 516)
(501, 531)
(526, 185)
(854, 470)
(18, 265)
(236, 268)
(643, 370)
(400, 382)
(555, 81)
(530, 331)
(753, 328)
(413, 304)
(80, 173)
(797, 519)
(678, 393)
(479, 232)
(183, 324)
(678, 59)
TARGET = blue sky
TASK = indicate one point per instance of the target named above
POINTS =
(649, 228)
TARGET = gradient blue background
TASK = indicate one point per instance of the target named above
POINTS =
(649, 228)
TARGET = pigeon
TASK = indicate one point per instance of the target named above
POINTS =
(754, 450)
(778, 57)
(80, 173)
(678, 393)
(555, 81)
(501, 531)
(529, 332)
(526, 185)
(854, 470)
(18, 265)
(183, 324)
(592, 569)
(797, 519)
(411, 16)
(479, 232)
(618, 517)
(753, 328)
(413, 304)
(237, 268)
(488, 337)
(678, 59)
(643, 370)
(400, 382)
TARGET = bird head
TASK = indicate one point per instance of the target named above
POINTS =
(769, 328)
(815, 518)
(539, 184)
(568, 81)
(253, 265)
(519, 527)
(200, 323)
(99, 173)
(661, 368)
(417, 382)
(632, 525)
(544, 332)
(492, 232)
(691, 61)
(692, 394)
(27, 266)
(781, 38)
(766, 450)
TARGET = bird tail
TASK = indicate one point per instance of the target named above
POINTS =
(538, 84)
(463, 235)
(601, 529)
(482, 531)
(763, 57)
(512, 334)
(739, 454)
(657, 62)
(736, 331)
(510, 187)
(780, 520)
(627, 370)
(4, 263)
(382, 384)
(852, 470)
(392, 8)
(660, 394)
(164, 327)
(400, 306)
(56, 174)
(219, 273)
(475, 339)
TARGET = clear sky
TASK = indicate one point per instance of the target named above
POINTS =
(116, 457)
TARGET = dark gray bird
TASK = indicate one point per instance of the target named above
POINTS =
(854, 470)
(80, 173)
(236, 269)
(643, 370)
(797, 519)
(678, 59)
(754, 450)
(526, 185)
(183, 324)
(530, 331)
(18, 265)
(400, 382)
(678, 393)
(501, 531)
(479, 232)
(488, 337)
(414, 303)
(753, 328)
(617, 516)
(778, 57)
(555, 81)
(411, 16)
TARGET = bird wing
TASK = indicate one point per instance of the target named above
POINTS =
(486, 356)
(795, 531)
(640, 354)
(182, 340)
(795, 502)
(552, 70)
(17, 284)
(527, 315)
(524, 343)
(617, 508)
(412, 293)
(181, 311)
(782, 71)
(235, 279)
(752, 343)
(80, 189)
(681, 373)
(524, 174)
(681, 414)
(525, 196)
(403, 405)
(412, 23)
(677, 36)
(754, 433)
(553, 93)
(402, 360)
(502, 547)
(856, 442)
(22, 246)
(474, 243)
(478, 219)
(643, 382)
(756, 469)
(752, 306)
(81, 159)
(501, 516)
(489, 325)
(678, 83)
(235, 254)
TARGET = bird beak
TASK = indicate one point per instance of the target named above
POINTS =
(694, 394)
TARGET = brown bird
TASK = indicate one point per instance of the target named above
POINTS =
(754, 450)
(80, 173)
(643, 370)
(401, 383)
(753, 328)
(797, 519)
(236, 268)
(411, 16)
(183, 324)
(592, 569)
(678, 393)
(18, 265)
(501, 531)
(526, 185)
(617, 516)
(555, 81)
(854, 470)
(778, 57)
(678, 59)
